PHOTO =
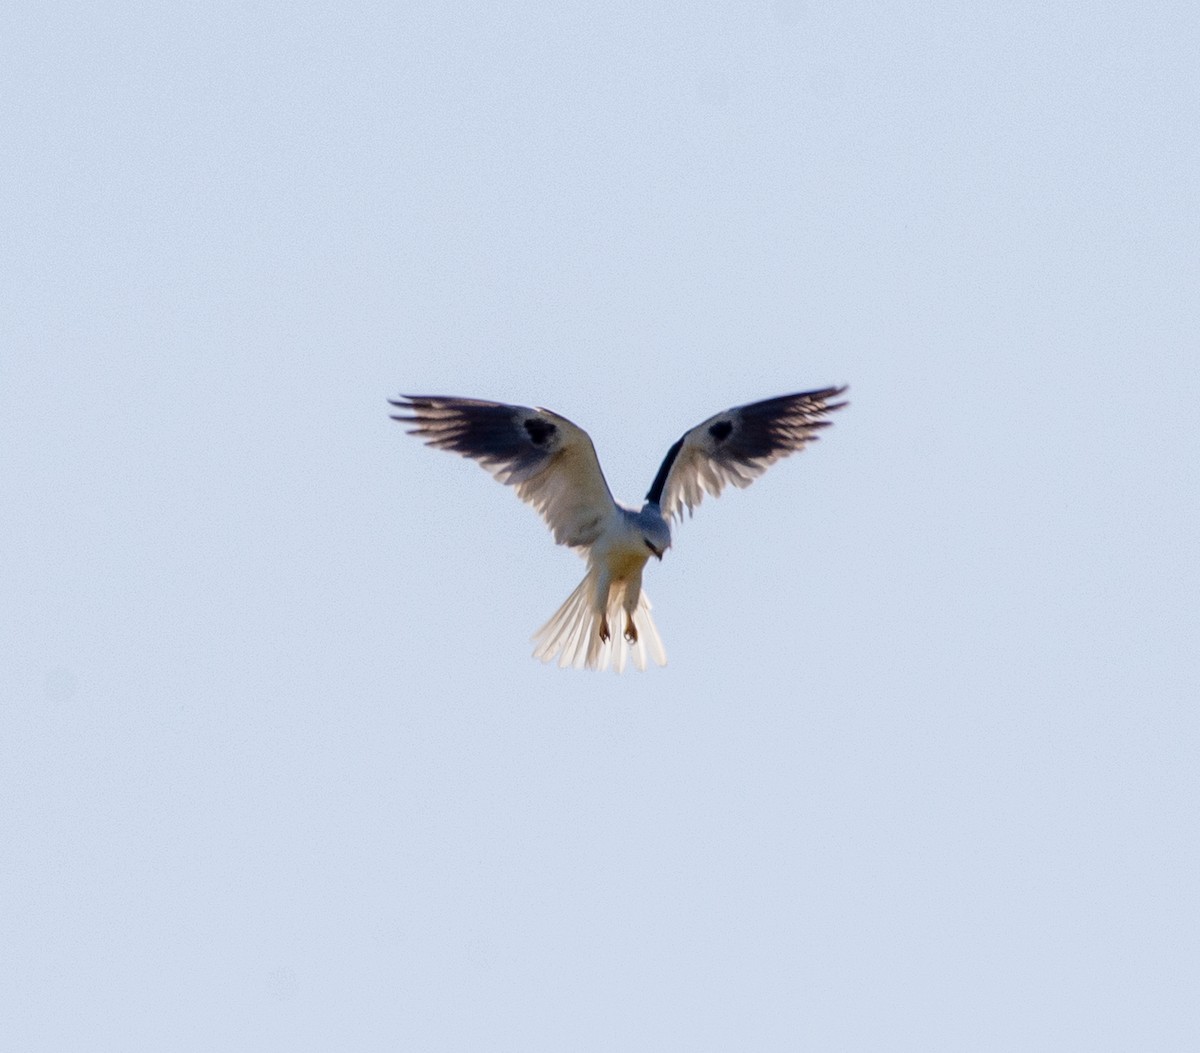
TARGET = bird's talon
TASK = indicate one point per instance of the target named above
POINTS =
(631, 631)
(604, 633)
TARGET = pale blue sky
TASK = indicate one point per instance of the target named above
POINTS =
(279, 770)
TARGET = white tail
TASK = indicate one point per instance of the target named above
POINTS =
(573, 633)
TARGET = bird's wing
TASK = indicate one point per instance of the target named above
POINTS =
(550, 461)
(737, 446)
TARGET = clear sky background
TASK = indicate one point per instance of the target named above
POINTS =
(277, 768)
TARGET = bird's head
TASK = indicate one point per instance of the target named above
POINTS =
(656, 531)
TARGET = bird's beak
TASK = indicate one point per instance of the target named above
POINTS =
(658, 552)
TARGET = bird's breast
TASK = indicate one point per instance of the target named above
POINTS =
(623, 562)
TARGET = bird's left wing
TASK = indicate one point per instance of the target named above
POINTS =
(550, 462)
(737, 446)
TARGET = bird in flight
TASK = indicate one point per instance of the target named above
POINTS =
(552, 465)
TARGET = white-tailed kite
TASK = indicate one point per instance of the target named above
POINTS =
(552, 464)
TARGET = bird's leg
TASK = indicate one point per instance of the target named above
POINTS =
(633, 590)
(603, 584)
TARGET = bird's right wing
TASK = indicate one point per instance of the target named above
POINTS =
(737, 446)
(550, 462)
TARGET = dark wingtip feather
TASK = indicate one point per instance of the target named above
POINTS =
(834, 393)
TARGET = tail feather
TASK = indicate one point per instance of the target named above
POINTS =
(572, 635)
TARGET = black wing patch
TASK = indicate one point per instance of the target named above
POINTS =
(720, 431)
(540, 431)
